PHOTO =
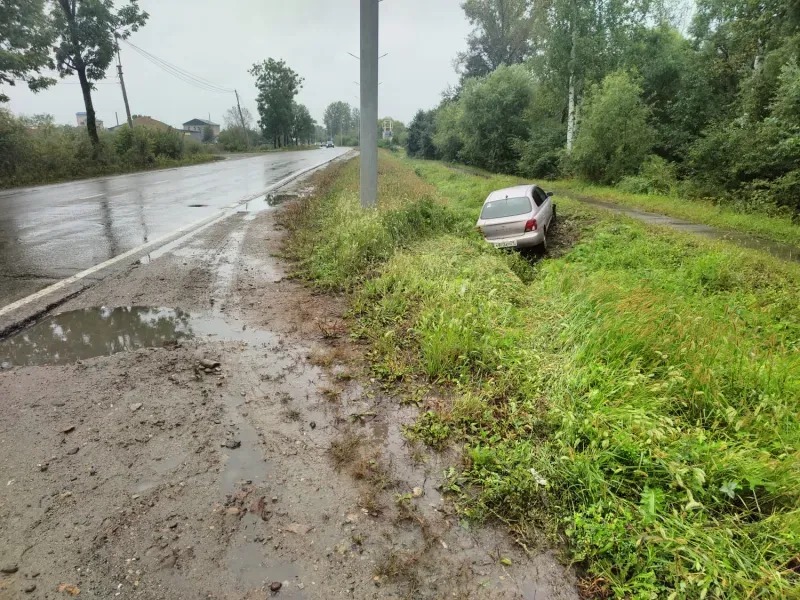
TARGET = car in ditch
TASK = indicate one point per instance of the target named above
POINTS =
(517, 217)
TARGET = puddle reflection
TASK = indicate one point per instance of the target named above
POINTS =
(81, 334)
(90, 332)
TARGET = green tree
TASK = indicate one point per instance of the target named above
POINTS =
(303, 126)
(493, 121)
(320, 132)
(501, 35)
(447, 136)
(277, 86)
(337, 119)
(88, 37)
(25, 40)
(614, 135)
(208, 134)
(421, 131)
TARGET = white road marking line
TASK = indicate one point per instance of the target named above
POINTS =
(90, 197)
(160, 182)
(151, 245)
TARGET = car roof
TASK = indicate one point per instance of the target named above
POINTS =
(512, 192)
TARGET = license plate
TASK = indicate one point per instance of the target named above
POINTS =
(509, 244)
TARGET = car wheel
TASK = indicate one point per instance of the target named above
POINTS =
(541, 249)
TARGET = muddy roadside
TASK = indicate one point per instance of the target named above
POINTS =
(234, 449)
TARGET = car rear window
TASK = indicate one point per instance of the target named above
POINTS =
(507, 207)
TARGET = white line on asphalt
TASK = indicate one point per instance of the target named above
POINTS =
(151, 245)
(90, 197)
(160, 182)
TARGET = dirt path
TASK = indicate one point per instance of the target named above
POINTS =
(281, 472)
(777, 249)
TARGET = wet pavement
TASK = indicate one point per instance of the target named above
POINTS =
(51, 232)
(777, 249)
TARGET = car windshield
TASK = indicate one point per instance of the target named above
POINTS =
(507, 207)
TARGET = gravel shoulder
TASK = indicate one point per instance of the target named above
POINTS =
(282, 472)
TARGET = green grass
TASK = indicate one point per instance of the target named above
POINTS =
(638, 395)
(779, 229)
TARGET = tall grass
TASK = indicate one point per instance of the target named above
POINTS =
(639, 394)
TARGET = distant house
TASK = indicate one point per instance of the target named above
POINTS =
(81, 119)
(147, 123)
(195, 128)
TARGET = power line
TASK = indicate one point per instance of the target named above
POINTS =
(180, 73)
(91, 82)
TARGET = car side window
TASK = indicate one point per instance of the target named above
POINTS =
(539, 196)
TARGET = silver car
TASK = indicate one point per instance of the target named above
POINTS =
(517, 217)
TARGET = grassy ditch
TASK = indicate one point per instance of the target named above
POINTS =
(638, 394)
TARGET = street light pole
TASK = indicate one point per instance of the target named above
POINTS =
(369, 102)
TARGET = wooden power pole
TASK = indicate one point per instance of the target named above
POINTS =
(241, 118)
(124, 93)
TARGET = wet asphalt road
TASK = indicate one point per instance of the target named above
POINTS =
(51, 232)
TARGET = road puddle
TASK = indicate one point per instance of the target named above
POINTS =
(100, 331)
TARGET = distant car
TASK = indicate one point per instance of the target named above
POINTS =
(517, 217)
(329, 145)
(322, 144)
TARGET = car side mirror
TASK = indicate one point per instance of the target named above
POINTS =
(549, 194)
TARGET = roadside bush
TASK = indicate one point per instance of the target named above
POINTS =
(34, 150)
(657, 176)
(614, 136)
(234, 139)
(140, 152)
(391, 145)
(15, 150)
(168, 144)
(192, 147)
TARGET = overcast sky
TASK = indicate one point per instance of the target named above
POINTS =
(220, 40)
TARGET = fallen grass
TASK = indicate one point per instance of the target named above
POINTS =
(779, 229)
(640, 392)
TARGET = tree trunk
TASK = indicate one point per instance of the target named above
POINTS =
(759, 58)
(86, 88)
(572, 118)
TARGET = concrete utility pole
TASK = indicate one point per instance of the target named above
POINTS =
(241, 118)
(369, 102)
(124, 93)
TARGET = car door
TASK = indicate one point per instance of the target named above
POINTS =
(545, 204)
